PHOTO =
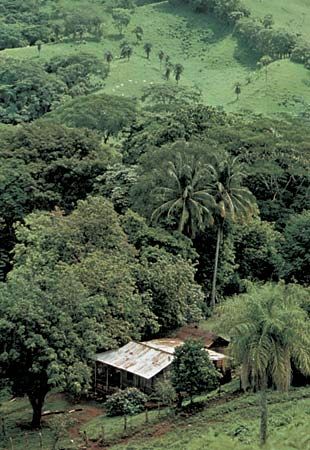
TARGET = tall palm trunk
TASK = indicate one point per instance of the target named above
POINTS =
(216, 262)
(182, 219)
(263, 415)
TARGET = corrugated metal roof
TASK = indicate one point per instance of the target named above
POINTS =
(146, 359)
(169, 345)
(139, 359)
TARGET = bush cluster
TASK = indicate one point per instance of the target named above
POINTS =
(229, 11)
(22, 24)
(126, 402)
(259, 35)
(264, 40)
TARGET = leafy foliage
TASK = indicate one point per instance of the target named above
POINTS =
(126, 403)
(100, 112)
(256, 247)
(296, 249)
(27, 91)
(269, 330)
(192, 370)
(76, 72)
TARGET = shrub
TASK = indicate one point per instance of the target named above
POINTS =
(193, 372)
(301, 52)
(127, 402)
(164, 392)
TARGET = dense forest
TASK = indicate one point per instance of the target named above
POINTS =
(154, 173)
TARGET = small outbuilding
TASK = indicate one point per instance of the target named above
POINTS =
(140, 364)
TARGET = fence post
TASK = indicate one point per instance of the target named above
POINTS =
(102, 439)
(146, 415)
(3, 426)
(11, 444)
(26, 440)
(40, 439)
(85, 438)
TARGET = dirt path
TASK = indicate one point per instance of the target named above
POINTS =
(81, 417)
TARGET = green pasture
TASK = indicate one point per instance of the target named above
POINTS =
(293, 15)
(224, 414)
(211, 57)
(236, 419)
(15, 417)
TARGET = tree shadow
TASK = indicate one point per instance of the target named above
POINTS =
(197, 21)
(245, 56)
(115, 36)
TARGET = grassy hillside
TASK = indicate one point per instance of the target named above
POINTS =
(211, 57)
(238, 420)
(293, 15)
(226, 416)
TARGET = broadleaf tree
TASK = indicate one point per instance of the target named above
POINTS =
(193, 373)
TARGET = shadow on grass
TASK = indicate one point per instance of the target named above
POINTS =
(196, 22)
(245, 56)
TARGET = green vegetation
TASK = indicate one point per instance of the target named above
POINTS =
(192, 371)
(233, 424)
(286, 15)
(154, 163)
(128, 402)
(212, 60)
(269, 332)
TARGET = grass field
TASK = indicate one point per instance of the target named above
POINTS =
(221, 416)
(213, 66)
(238, 419)
(293, 15)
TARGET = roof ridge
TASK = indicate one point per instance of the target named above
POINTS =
(157, 349)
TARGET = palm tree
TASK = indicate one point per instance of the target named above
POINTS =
(269, 331)
(126, 51)
(39, 46)
(237, 90)
(147, 48)
(184, 197)
(178, 70)
(161, 56)
(138, 31)
(108, 57)
(232, 201)
(168, 72)
(265, 61)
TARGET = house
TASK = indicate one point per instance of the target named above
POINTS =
(140, 364)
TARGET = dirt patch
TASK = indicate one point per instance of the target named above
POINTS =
(81, 417)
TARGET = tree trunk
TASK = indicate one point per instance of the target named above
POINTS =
(263, 416)
(106, 137)
(216, 261)
(181, 223)
(179, 400)
(37, 405)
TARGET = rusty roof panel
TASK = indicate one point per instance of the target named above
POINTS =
(169, 345)
(136, 358)
(146, 359)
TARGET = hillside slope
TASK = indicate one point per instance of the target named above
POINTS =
(292, 15)
(211, 57)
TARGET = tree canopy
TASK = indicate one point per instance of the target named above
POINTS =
(101, 112)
